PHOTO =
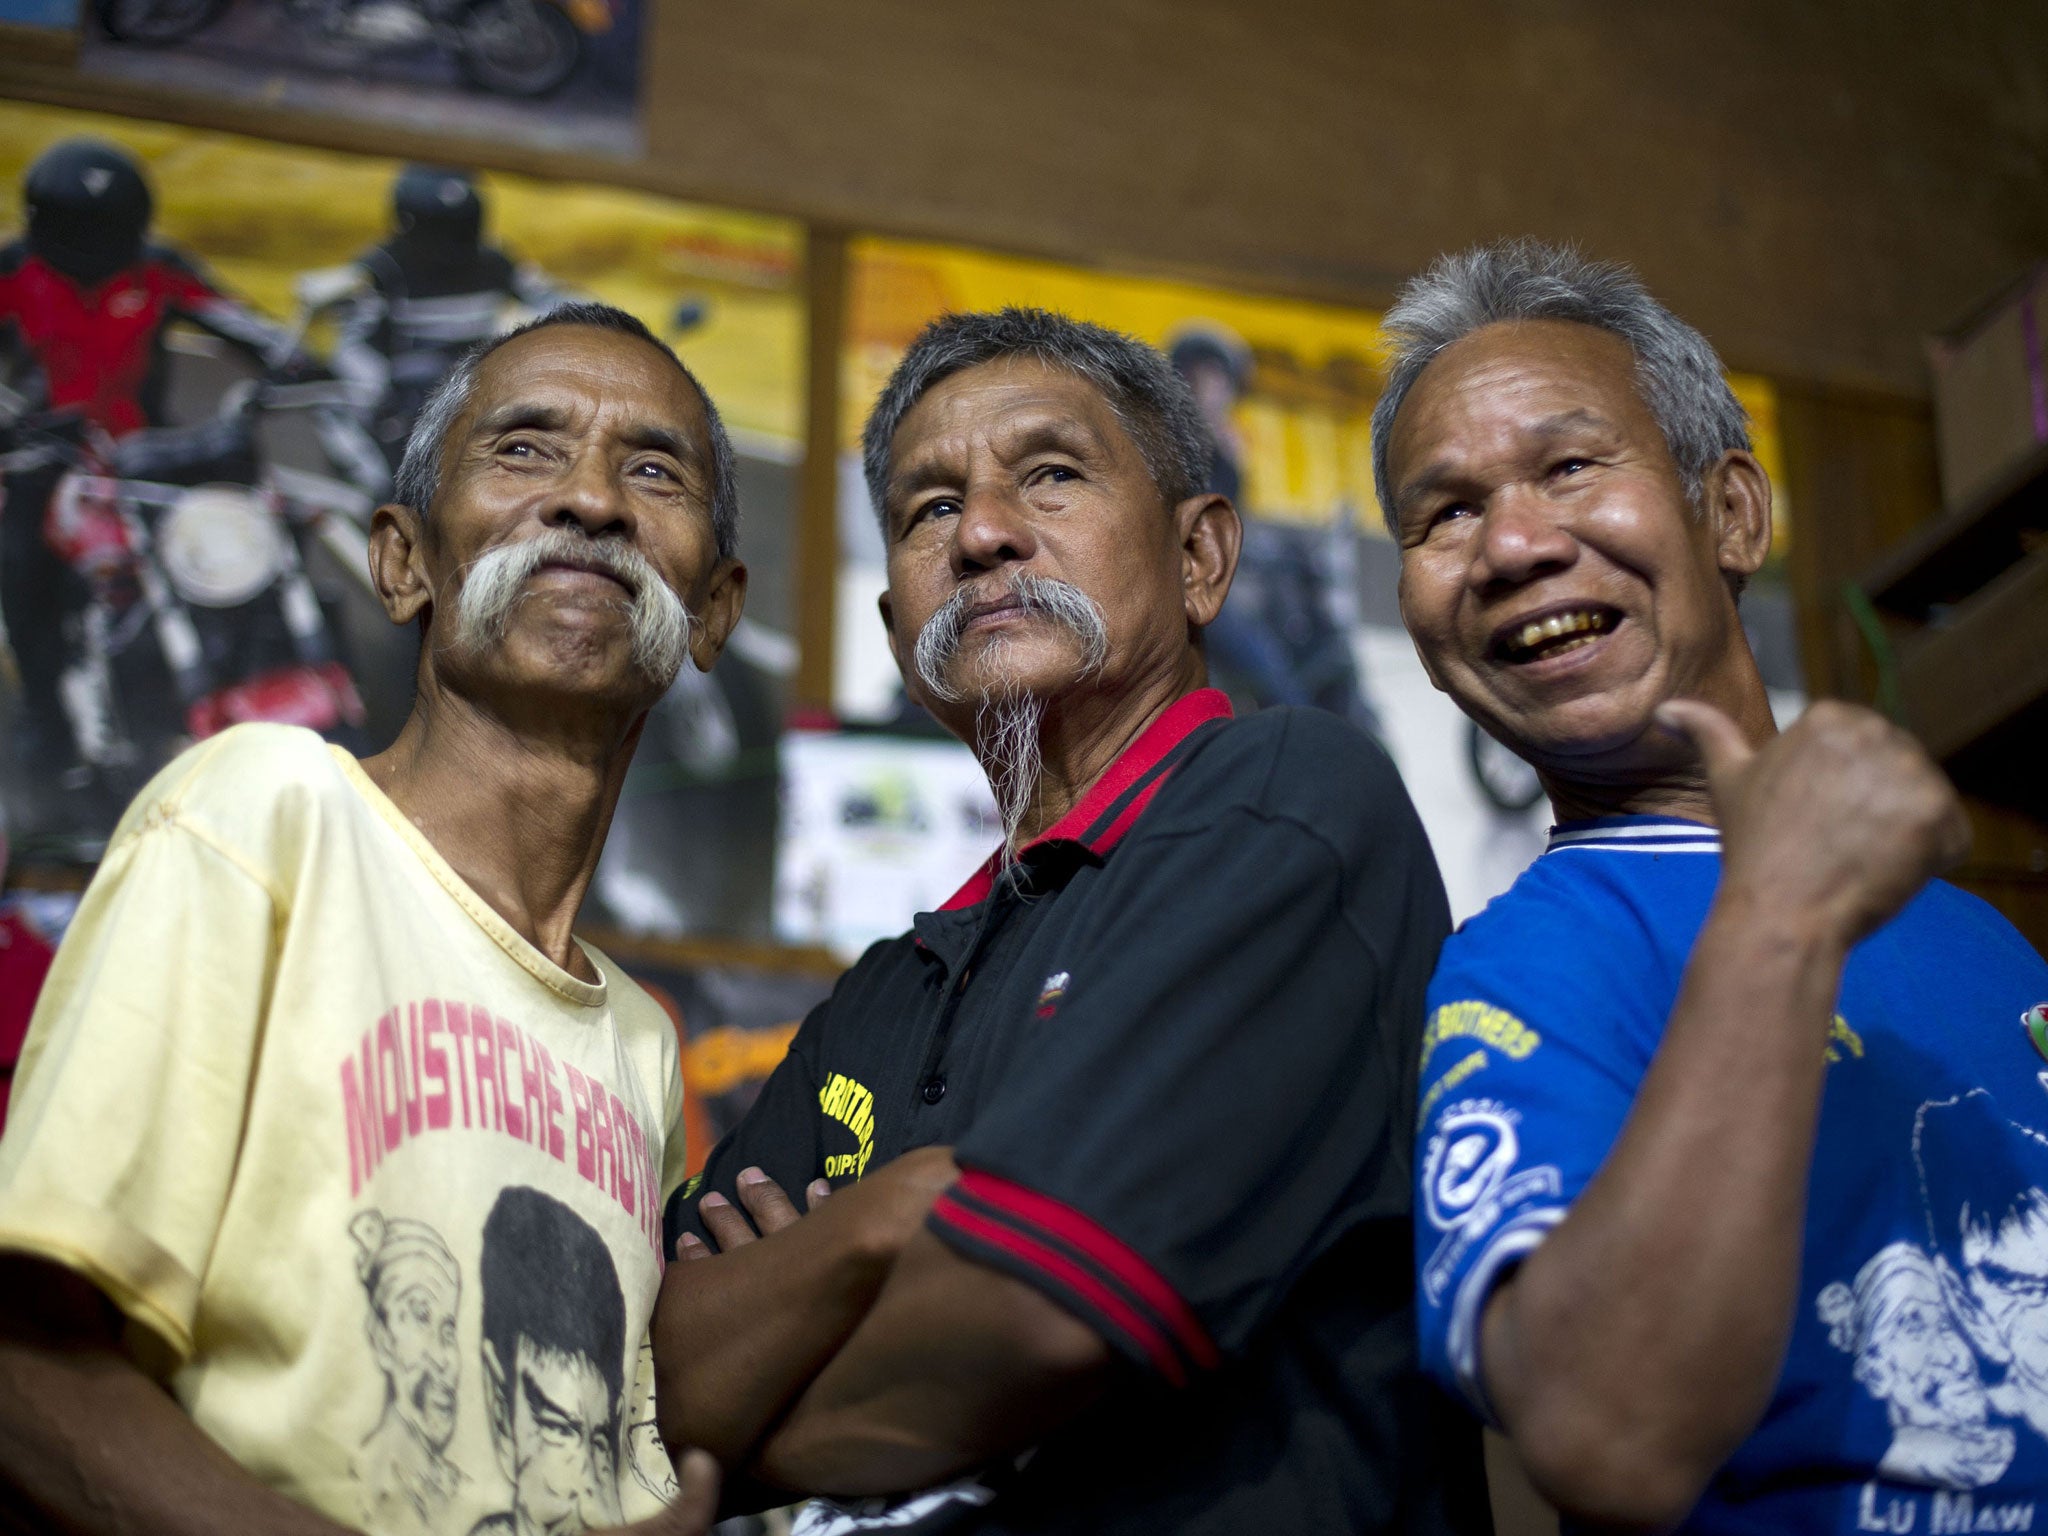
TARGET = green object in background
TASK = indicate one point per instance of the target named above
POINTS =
(2036, 1021)
(1872, 629)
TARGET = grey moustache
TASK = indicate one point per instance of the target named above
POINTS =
(938, 643)
(496, 579)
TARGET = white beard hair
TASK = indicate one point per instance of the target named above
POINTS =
(1006, 729)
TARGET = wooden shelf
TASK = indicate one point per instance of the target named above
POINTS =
(1982, 668)
(1957, 554)
(1965, 600)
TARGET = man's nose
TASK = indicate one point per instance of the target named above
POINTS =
(1520, 537)
(993, 528)
(589, 495)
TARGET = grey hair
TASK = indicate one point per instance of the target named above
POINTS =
(418, 480)
(1677, 371)
(1153, 402)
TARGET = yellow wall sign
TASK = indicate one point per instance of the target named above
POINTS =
(1303, 422)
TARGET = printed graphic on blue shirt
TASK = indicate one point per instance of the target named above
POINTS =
(1914, 1395)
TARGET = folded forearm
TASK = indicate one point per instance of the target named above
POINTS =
(1638, 1346)
(91, 1447)
(955, 1364)
(738, 1336)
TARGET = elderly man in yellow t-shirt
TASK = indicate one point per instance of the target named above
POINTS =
(332, 1192)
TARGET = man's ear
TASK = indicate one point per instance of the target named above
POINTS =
(1210, 534)
(397, 562)
(498, 1406)
(1737, 494)
(718, 613)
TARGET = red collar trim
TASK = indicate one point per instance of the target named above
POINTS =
(1132, 764)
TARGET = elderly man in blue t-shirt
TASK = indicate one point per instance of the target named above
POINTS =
(1730, 1117)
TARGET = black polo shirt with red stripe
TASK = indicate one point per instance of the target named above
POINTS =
(1173, 1044)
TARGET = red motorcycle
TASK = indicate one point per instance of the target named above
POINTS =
(199, 613)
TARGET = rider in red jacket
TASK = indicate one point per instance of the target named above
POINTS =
(86, 299)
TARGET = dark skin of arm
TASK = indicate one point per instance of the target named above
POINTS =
(955, 1364)
(739, 1334)
(1620, 1417)
(945, 1364)
(90, 1446)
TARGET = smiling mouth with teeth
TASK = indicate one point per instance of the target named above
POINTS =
(1540, 639)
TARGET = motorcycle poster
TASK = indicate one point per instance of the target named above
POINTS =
(211, 351)
(561, 73)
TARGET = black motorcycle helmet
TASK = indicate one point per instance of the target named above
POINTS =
(1197, 345)
(437, 207)
(88, 209)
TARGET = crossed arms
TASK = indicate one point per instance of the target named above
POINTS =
(850, 1352)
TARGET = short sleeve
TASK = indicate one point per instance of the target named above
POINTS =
(1224, 1087)
(1543, 1016)
(778, 1134)
(128, 1109)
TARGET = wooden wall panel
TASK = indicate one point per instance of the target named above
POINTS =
(1815, 185)
(1862, 474)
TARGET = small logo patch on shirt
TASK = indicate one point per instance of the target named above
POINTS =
(2035, 1022)
(1050, 994)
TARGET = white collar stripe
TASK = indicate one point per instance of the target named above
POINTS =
(1668, 835)
(1634, 848)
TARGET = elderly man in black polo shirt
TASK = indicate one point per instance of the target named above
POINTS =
(1119, 1135)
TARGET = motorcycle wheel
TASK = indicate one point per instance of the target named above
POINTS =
(155, 21)
(518, 47)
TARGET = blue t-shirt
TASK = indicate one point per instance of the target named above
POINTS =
(1914, 1398)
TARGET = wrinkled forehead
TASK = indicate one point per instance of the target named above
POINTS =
(570, 369)
(1001, 402)
(1503, 383)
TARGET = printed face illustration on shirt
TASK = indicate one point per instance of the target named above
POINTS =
(2007, 1275)
(1929, 1327)
(554, 1351)
(560, 1447)
(1988, 1214)
(1911, 1357)
(414, 1343)
(414, 1289)
(1919, 1364)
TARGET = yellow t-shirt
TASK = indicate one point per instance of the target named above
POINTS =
(378, 1185)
